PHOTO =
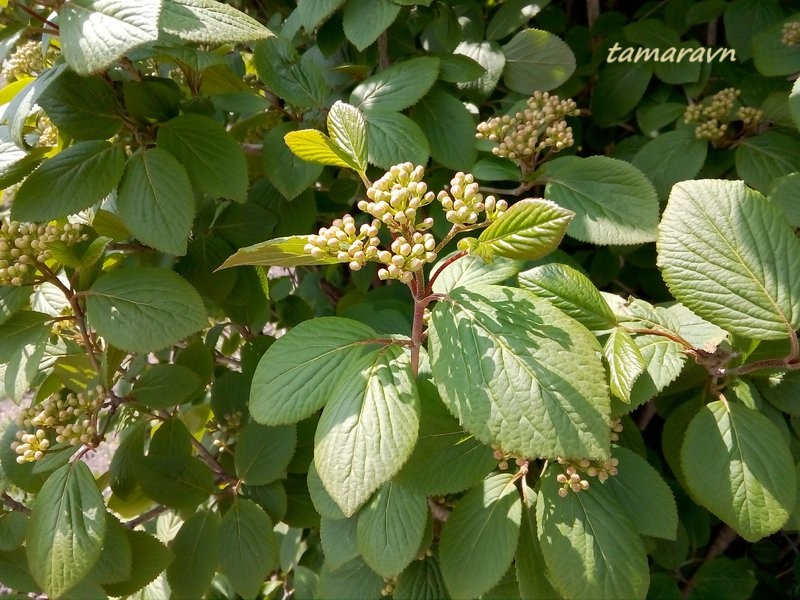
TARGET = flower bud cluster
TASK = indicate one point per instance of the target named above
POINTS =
(463, 202)
(749, 115)
(71, 418)
(48, 134)
(407, 256)
(26, 61)
(346, 242)
(572, 480)
(22, 245)
(616, 428)
(389, 583)
(395, 198)
(714, 115)
(540, 127)
(790, 35)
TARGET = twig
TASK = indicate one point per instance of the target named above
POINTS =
(145, 517)
(517, 191)
(438, 271)
(383, 51)
(33, 14)
(14, 505)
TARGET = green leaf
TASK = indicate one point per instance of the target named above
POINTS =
(458, 68)
(767, 156)
(620, 87)
(15, 572)
(543, 392)
(141, 309)
(529, 564)
(180, 482)
(393, 138)
(122, 475)
(368, 428)
(210, 22)
(152, 98)
(771, 56)
(298, 82)
(278, 252)
(95, 33)
(247, 549)
(287, 171)
(488, 516)
(737, 465)
(74, 179)
(321, 499)
(66, 529)
(653, 117)
(338, 539)
(664, 359)
(591, 548)
(449, 127)
(299, 372)
(614, 203)
(671, 157)
(354, 581)
(422, 580)
(390, 529)
(729, 255)
(528, 230)
(472, 270)
(488, 55)
(572, 292)
(511, 15)
(722, 577)
(116, 560)
(195, 563)
(783, 192)
(155, 201)
(745, 17)
(24, 328)
(537, 60)
(12, 298)
(314, 12)
(397, 87)
(12, 530)
(316, 147)
(348, 131)
(364, 20)
(149, 557)
(782, 390)
(84, 108)
(25, 102)
(625, 363)
(794, 102)
(163, 386)
(263, 453)
(214, 161)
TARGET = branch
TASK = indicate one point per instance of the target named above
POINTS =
(14, 505)
(145, 517)
(438, 271)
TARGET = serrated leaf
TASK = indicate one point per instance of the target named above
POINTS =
(665, 360)
(488, 516)
(278, 252)
(614, 203)
(746, 476)
(298, 82)
(140, 309)
(761, 159)
(364, 20)
(730, 256)
(12, 298)
(116, 560)
(449, 127)
(263, 453)
(511, 15)
(472, 270)
(338, 539)
(23, 328)
(548, 399)
(422, 580)
(74, 179)
(354, 581)
(321, 499)
(393, 138)
(390, 529)
(536, 60)
(314, 146)
(178, 481)
(625, 363)
(247, 549)
(210, 22)
(66, 529)
(458, 68)
(314, 12)
(122, 477)
(671, 157)
(572, 292)
(529, 564)
(528, 230)
(620, 87)
(286, 170)
(195, 563)
(149, 557)
(214, 161)
(95, 33)
(163, 386)
(722, 577)
(397, 87)
(348, 131)
(591, 548)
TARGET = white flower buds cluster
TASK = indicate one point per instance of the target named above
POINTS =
(463, 202)
(30, 446)
(571, 479)
(616, 428)
(790, 35)
(22, 245)
(48, 134)
(395, 198)
(714, 115)
(749, 115)
(26, 61)
(407, 256)
(389, 583)
(346, 242)
(540, 127)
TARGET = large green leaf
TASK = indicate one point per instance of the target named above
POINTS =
(737, 465)
(149, 557)
(24, 328)
(348, 131)
(298, 82)
(529, 564)
(74, 179)
(487, 54)
(179, 481)
(764, 157)
(511, 15)
(745, 17)
(730, 256)
(156, 202)
(278, 252)
(299, 372)
(163, 386)
(472, 270)
(393, 138)
(671, 157)
(625, 363)
(354, 581)
(614, 203)
(142, 309)
(195, 563)
(722, 577)
(247, 549)
(397, 87)
(66, 529)
(537, 60)
(529, 230)
(488, 516)
(449, 127)
(771, 56)
(368, 428)
(314, 12)
(364, 20)
(116, 561)
(214, 161)
(95, 33)
(210, 22)
(620, 87)
(338, 540)
(287, 171)
(518, 372)
(263, 453)
(422, 580)
(591, 548)
(390, 529)
(783, 192)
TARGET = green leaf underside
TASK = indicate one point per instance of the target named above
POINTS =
(539, 389)
(278, 252)
(625, 363)
(348, 131)
(298, 373)
(731, 257)
(210, 22)
(397, 87)
(747, 475)
(488, 516)
(473, 270)
(368, 428)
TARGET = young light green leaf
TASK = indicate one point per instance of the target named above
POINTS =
(537, 60)
(287, 171)
(528, 230)
(195, 563)
(66, 529)
(397, 87)
(263, 453)
(625, 363)
(247, 549)
(747, 476)
(314, 146)
(671, 157)
(730, 256)
(149, 557)
(393, 138)
(338, 539)
(74, 179)
(390, 529)
(472, 270)
(214, 161)
(95, 33)
(210, 22)
(368, 428)
(422, 580)
(163, 386)
(614, 203)
(488, 516)
(299, 372)
(278, 252)
(591, 548)
(348, 130)
(140, 318)
(549, 398)
(364, 20)
(665, 360)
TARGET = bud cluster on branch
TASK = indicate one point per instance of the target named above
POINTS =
(790, 34)
(714, 115)
(23, 245)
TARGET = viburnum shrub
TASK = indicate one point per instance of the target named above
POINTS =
(420, 299)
